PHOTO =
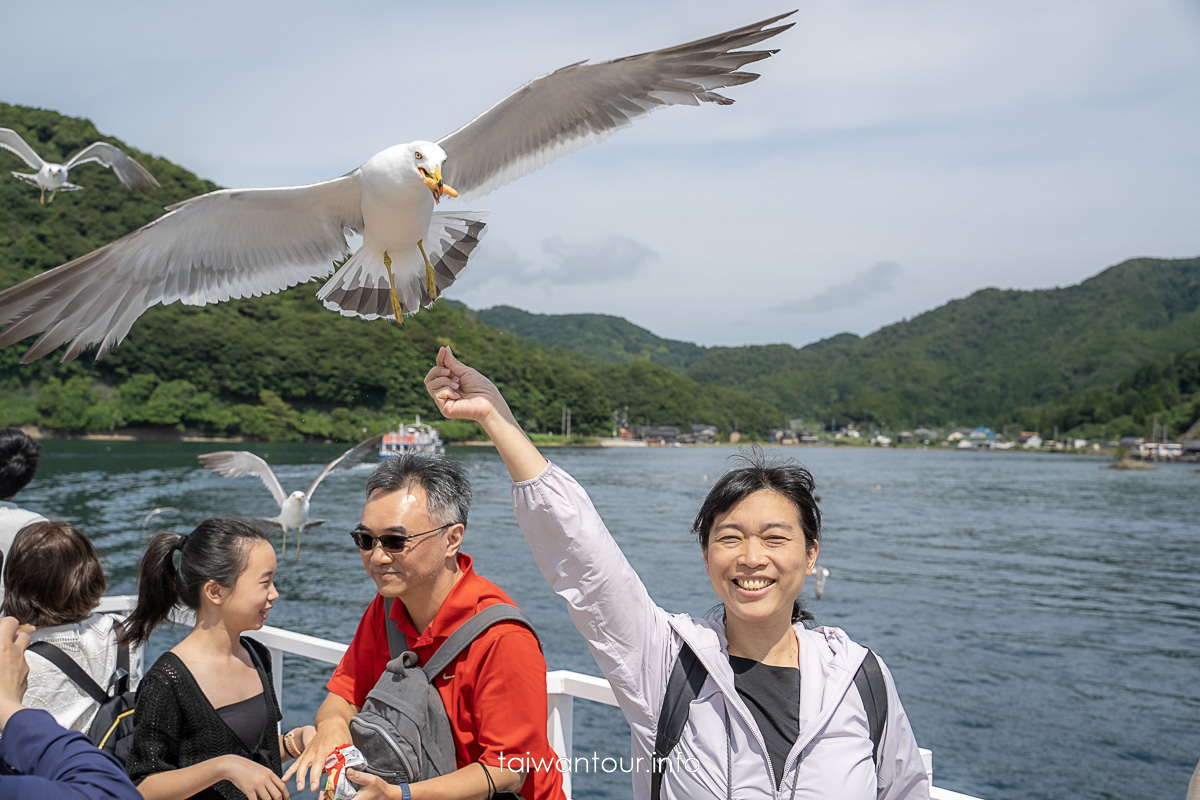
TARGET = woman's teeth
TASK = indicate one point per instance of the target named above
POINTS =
(753, 585)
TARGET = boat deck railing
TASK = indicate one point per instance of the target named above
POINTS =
(563, 687)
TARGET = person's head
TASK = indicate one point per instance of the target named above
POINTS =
(52, 575)
(224, 568)
(18, 461)
(760, 529)
(413, 524)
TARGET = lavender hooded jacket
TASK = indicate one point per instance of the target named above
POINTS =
(636, 643)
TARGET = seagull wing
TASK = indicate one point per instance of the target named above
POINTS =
(130, 172)
(211, 248)
(12, 141)
(583, 103)
(238, 463)
(346, 460)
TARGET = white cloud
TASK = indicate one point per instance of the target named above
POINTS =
(877, 280)
(559, 262)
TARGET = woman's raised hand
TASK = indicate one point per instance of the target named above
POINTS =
(462, 392)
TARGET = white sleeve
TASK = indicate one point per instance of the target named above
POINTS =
(901, 774)
(629, 635)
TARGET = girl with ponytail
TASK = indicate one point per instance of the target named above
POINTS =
(207, 717)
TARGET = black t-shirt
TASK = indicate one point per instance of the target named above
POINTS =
(773, 697)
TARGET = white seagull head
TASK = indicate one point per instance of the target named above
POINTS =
(427, 159)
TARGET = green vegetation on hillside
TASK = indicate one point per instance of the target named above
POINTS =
(282, 367)
(1164, 390)
(598, 336)
(995, 358)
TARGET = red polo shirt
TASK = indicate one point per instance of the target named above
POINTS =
(494, 692)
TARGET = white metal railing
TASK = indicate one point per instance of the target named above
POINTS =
(563, 687)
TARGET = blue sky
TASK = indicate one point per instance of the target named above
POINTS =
(894, 155)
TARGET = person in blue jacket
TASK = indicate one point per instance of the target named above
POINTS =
(39, 758)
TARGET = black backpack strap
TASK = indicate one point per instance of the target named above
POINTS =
(469, 631)
(873, 689)
(687, 676)
(397, 641)
(73, 671)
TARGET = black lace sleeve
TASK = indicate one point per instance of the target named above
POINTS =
(157, 727)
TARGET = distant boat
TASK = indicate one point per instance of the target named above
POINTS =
(415, 438)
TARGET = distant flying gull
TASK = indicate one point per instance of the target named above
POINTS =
(54, 176)
(242, 242)
(293, 508)
(156, 512)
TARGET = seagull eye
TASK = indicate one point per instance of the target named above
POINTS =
(418, 155)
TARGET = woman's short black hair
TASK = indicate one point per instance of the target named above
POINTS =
(52, 575)
(19, 455)
(756, 473)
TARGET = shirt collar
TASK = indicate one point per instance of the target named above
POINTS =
(460, 605)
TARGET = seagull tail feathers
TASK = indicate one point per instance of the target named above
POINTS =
(360, 288)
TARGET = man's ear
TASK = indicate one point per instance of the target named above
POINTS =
(454, 539)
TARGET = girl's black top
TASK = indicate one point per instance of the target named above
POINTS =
(176, 726)
(773, 696)
(246, 718)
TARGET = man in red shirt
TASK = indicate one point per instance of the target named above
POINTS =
(495, 692)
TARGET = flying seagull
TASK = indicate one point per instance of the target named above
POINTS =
(293, 508)
(241, 242)
(54, 176)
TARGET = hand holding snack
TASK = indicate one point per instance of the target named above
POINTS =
(371, 787)
(338, 785)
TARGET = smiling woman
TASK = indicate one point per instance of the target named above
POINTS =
(771, 706)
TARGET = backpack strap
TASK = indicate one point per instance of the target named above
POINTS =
(873, 689)
(469, 631)
(397, 641)
(687, 676)
(72, 670)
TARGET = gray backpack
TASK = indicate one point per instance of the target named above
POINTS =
(403, 730)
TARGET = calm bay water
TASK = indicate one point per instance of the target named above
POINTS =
(1041, 614)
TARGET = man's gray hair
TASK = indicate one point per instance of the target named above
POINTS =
(447, 488)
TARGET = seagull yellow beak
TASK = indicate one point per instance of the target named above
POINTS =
(434, 182)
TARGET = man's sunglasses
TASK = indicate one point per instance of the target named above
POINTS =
(391, 542)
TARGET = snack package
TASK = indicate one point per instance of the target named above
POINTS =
(337, 785)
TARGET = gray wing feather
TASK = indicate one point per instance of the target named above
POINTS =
(211, 248)
(11, 140)
(345, 461)
(239, 463)
(128, 171)
(583, 103)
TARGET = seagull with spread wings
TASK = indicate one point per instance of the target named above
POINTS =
(54, 176)
(293, 508)
(241, 242)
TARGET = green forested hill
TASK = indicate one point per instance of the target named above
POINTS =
(280, 367)
(599, 336)
(980, 358)
(991, 358)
